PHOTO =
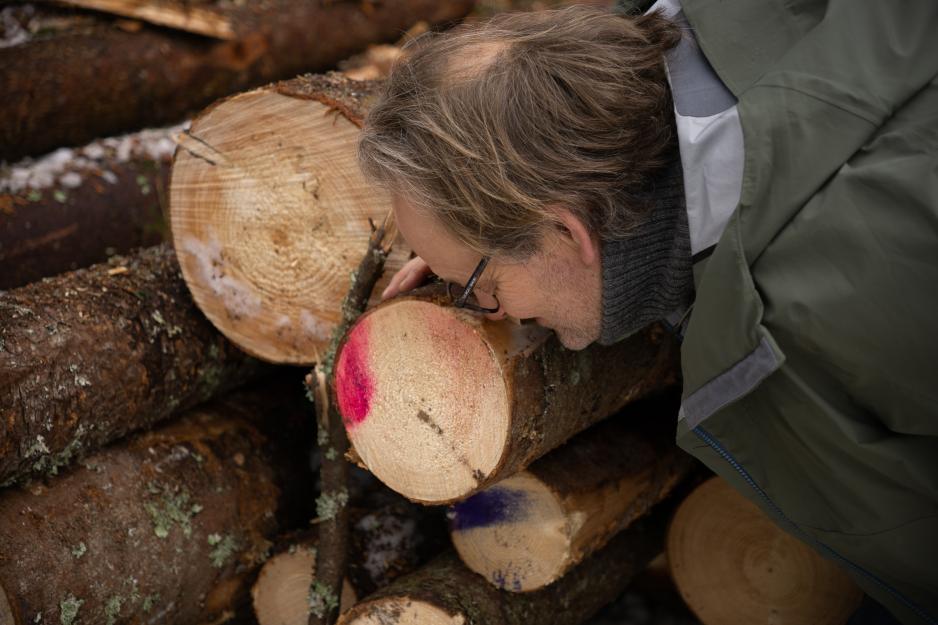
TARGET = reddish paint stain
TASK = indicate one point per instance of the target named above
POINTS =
(354, 385)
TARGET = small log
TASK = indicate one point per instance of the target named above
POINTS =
(89, 356)
(72, 208)
(332, 511)
(99, 80)
(526, 531)
(440, 403)
(385, 543)
(445, 592)
(281, 593)
(166, 527)
(733, 565)
(270, 213)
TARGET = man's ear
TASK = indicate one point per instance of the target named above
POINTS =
(578, 234)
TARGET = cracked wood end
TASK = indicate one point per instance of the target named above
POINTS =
(270, 213)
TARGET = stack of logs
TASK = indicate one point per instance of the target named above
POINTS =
(156, 469)
(148, 465)
(438, 404)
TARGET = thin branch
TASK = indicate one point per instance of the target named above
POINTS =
(331, 506)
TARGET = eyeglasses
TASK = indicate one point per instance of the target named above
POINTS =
(463, 300)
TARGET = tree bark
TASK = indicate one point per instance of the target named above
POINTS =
(270, 213)
(440, 403)
(385, 543)
(165, 527)
(100, 81)
(527, 530)
(765, 574)
(73, 208)
(89, 356)
(446, 592)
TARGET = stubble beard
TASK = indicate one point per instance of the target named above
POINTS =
(577, 318)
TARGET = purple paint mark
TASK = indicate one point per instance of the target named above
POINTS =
(501, 580)
(489, 507)
(354, 386)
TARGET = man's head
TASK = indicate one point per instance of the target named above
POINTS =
(528, 139)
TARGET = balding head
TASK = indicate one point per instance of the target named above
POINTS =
(489, 125)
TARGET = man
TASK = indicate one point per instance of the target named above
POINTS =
(763, 176)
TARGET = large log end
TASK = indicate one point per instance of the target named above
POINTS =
(270, 213)
(422, 391)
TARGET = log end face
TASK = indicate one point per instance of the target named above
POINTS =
(515, 534)
(717, 536)
(424, 400)
(401, 611)
(270, 214)
(281, 593)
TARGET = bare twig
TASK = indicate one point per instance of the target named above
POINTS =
(331, 508)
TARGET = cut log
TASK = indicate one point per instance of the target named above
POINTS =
(270, 213)
(440, 403)
(385, 543)
(203, 18)
(73, 208)
(281, 592)
(529, 529)
(445, 592)
(99, 81)
(733, 565)
(89, 356)
(166, 527)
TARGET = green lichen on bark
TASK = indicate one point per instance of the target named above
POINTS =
(48, 463)
(37, 447)
(171, 507)
(79, 550)
(328, 505)
(68, 609)
(321, 599)
(224, 548)
(149, 601)
(112, 609)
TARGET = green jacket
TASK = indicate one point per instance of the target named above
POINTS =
(811, 357)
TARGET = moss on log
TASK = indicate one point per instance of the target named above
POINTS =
(89, 356)
(166, 527)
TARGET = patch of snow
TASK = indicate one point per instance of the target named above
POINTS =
(386, 545)
(238, 298)
(16, 25)
(68, 167)
(70, 180)
(317, 328)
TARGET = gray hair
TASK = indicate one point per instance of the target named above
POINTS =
(491, 124)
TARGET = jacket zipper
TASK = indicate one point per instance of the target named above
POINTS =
(714, 444)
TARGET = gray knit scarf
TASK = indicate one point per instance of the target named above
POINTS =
(649, 274)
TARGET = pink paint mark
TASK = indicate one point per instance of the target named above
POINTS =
(354, 386)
